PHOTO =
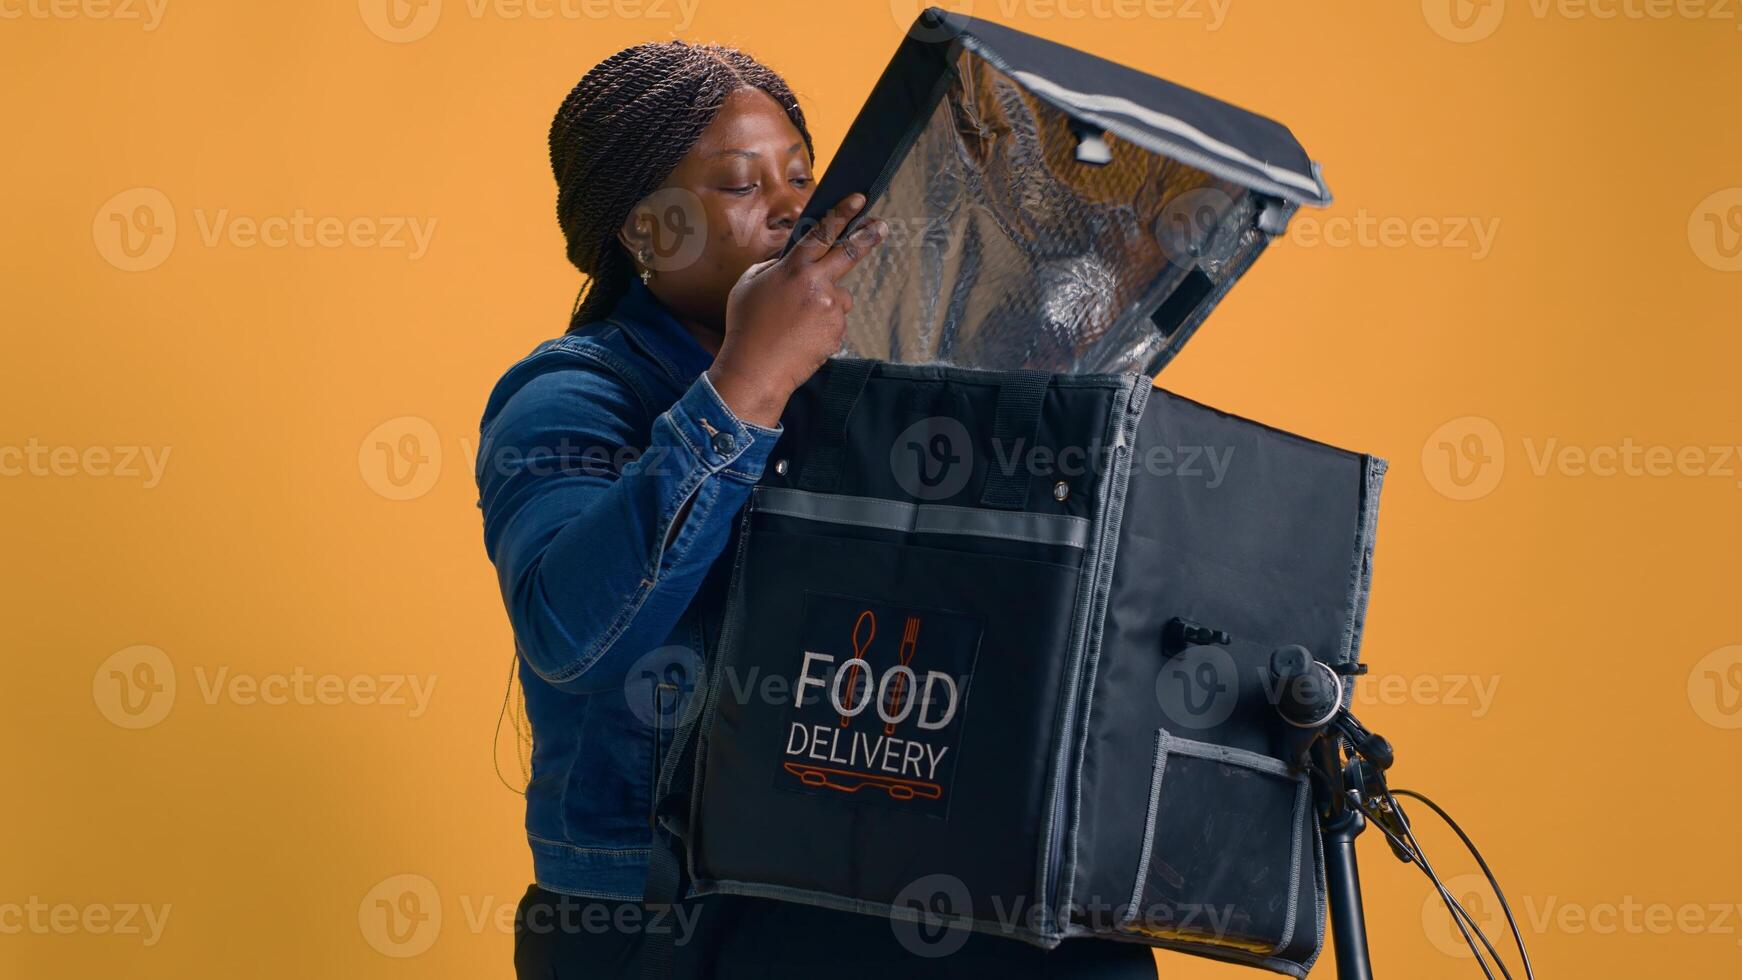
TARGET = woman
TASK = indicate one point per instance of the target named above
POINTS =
(612, 464)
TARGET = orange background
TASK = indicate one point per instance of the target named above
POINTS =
(1600, 611)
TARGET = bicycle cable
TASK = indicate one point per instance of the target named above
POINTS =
(1493, 883)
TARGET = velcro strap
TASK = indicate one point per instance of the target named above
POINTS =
(1014, 431)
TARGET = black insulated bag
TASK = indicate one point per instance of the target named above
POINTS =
(946, 687)
(1001, 612)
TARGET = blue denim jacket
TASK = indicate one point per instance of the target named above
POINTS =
(590, 448)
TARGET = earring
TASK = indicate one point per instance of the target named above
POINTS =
(646, 277)
(646, 270)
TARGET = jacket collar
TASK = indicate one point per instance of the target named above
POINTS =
(655, 330)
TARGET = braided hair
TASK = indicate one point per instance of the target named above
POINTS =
(619, 135)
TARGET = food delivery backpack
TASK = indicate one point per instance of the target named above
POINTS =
(996, 644)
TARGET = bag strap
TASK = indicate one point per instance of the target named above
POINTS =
(828, 453)
(664, 877)
(1015, 428)
(666, 874)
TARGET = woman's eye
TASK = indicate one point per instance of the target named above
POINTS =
(745, 189)
(801, 181)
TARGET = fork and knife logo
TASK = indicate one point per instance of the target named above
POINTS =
(864, 631)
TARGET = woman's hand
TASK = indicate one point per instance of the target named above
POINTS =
(787, 315)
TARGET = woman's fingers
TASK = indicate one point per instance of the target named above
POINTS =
(847, 252)
(819, 240)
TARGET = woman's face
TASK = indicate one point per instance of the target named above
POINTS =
(730, 203)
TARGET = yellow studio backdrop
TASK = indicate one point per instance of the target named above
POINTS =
(262, 263)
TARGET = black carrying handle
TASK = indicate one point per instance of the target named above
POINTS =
(1015, 427)
(828, 453)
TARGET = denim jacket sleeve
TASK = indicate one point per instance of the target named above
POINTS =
(594, 564)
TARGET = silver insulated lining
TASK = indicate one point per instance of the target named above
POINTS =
(1006, 252)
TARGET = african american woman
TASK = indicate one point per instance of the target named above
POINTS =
(612, 463)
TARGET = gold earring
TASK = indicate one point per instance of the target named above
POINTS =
(646, 270)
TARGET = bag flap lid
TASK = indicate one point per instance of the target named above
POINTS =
(1048, 209)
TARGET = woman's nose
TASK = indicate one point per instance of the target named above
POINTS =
(786, 209)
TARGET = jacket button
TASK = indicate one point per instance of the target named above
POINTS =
(724, 443)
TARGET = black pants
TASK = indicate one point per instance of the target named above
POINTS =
(724, 937)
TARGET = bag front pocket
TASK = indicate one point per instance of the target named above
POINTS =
(885, 711)
(1223, 851)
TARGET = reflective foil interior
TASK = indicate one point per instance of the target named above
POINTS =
(1006, 252)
